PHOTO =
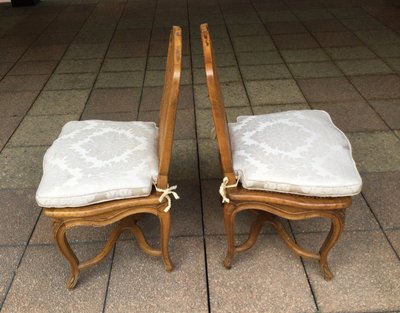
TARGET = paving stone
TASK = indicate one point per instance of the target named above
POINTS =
(127, 35)
(322, 69)
(44, 53)
(11, 54)
(249, 277)
(376, 152)
(110, 116)
(382, 191)
(364, 67)
(113, 100)
(39, 130)
(85, 51)
(358, 217)
(16, 103)
(241, 18)
(259, 57)
(21, 167)
(387, 51)
(5, 67)
(10, 257)
(263, 72)
(222, 59)
(184, 124)
(324, 25)
(253, 43)
(33, 68)
(304, 55)
(43, 274)
(348, 12)
(19, 214)
(311, 14)
(267, 109)
(184, 287)
(394, 237)
(151, 98)
(378, 86)
(127, 49)
(239, 30)
(60, 102)
(363, 23)
(394, 63)
(389, 110)
(159, 63)
(184, 160)
(23, 83)
(225, 74)
(78, 66)
(278, 16)
(124, 65)
(209, 159)
(328, 89)
(7, 128)
(119, 80)
(337, 39)
(295, 41)
(222, 45)
(365, 270)
(156, 78)
(378, 37)
(352, 116)
(349, 53)
(274, 92)
(70, 81)
(285, 27)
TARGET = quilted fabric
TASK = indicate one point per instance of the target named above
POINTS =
(95, 161)
(299, 152)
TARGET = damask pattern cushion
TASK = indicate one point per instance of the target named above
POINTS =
(95, 161)
(299, 152)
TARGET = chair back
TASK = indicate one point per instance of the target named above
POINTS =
(169, 103)
(217, 105)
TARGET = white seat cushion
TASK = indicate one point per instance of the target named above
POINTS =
(96, 161)
(298, 152)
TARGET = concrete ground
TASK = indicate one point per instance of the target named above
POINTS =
(91, 59)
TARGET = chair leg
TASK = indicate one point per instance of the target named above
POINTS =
(59, 230)
(337, 226)
(229, 218)
(165, 225)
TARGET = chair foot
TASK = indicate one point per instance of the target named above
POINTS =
(326, 272)
(165, 224)
(228, 262)
(72, 280)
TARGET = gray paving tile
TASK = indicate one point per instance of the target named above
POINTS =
(389, 110)
(225, 74)
(304, 55)
(358, 217)
(10, 257)
(184, 287)
(221, 59)
(322, 69)
(209, 159)
(264, 72)
(382, 190)
(363, 23)
(151, 98)
(222, 45)
(33, 68)
(113, 100)
(289, 27)
(349, 53)
(255, 29)
(159, 63)
(364, 67)
(378, 37)
(274, 92)
(278, 16)
(70, 81)
(337, 39)
(19, 214)
(378, 86)
(328, 89)
(352, 116)
(21, 167)
(67, 66)
(253, 43)
(266, 109)
(376, 152)
(124, 65)
(156, 78)
(268, 263)
(43, 274)
(259, 57)
(11, 54)
(365, 270)
(348, 12)
(324, 25)
(119, 80)
(394, 237)
(5, 67)
(40, 130)
(23, 83)
(295, 41)
(110, 116)
(60, 102)
(44, 53)
(394, 63)
(127, 49)
(7, 128)
(184, 160)
(311, 14)
(391, 50)
(85, 51)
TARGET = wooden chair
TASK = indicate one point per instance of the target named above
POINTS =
(102, 172)
(277, 176)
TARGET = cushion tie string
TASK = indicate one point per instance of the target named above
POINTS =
(165, 194)
(224, 185)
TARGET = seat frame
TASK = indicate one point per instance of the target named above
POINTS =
(127, 212)
(267, 206)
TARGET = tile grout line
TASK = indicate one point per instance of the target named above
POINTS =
(207, 280)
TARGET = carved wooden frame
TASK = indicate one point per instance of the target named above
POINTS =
(267, 206)
(127, 212)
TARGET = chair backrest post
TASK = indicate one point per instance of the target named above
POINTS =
(169, 102)
(217, 105)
